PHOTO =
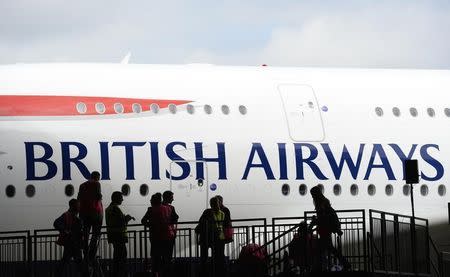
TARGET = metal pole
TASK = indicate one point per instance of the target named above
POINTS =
(412, 202)
(413, 233)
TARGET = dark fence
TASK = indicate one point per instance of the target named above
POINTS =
(23, 254)
(396, 245)
(399, 244)
(444, 264)
(352, 244)
(15, 255)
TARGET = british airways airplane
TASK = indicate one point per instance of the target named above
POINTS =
(259, 136)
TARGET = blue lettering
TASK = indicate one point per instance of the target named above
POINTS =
(345, 159)
(67, 160)
(104, 155)
(283, 161)
(431, 161)
(31, 161)
(129, 156)
(220, 160)
(300, 160)
(257, 149)
(378, 150)
(185, 167)
(154, 152)
(401, 155)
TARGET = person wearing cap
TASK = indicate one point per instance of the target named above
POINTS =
(116, 228)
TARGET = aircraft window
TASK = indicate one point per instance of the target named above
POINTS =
(413, 112)
(371, 190)
(337, 190)
(430, 112)
(424, 190)
(81, 108)
(173, 108)
(303, 189)
(118, 108)
(126, 189)
(137, 108)
(447, 112)
(406, 190)
(285, 189)
(442, 190)
(396, 111)
(243, 109)
(322, 189)
(379, 111)
(154, 108)
(30, 190)
(69, 190)
(225, 109)
(143, 190)
(100, 108)
(190, 109)
(389, 190)
(208, 109)
(10, 191)
(354, 189)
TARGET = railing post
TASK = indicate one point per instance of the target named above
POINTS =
(413, 244)
(396, 243)
(441, 263)
(364, 240)
(370, 238)
(428, 249)
(383, 240)
(273, 244)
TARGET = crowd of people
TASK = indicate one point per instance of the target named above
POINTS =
(80, 230)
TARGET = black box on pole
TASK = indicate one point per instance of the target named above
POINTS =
(411, 169)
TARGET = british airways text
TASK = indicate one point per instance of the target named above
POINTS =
(299, 161)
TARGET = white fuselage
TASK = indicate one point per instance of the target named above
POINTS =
(285, 126)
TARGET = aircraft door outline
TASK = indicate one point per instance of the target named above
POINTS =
(302, 112)
(190, 189)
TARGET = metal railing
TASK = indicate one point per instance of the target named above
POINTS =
(396, 244)
(402, 243)
(15, 253)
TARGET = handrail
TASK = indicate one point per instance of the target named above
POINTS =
(439, 268)
(392, 214)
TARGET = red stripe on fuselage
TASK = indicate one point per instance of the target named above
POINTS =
(41, 105)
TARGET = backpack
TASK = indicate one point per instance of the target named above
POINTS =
(334, 223)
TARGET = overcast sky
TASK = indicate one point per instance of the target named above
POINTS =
(378, 33)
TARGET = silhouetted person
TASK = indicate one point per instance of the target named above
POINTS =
(172, 228)
(69, 226)
(303, 249)
(116, 226)
(211, 231)
(253, 261)
(327, 223)
(158, 219)
(91, 213)
(228, 228)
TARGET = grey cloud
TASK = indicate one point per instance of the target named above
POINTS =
(293, 33)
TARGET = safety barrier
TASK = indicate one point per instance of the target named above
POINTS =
(399, 244)
(387, 248)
